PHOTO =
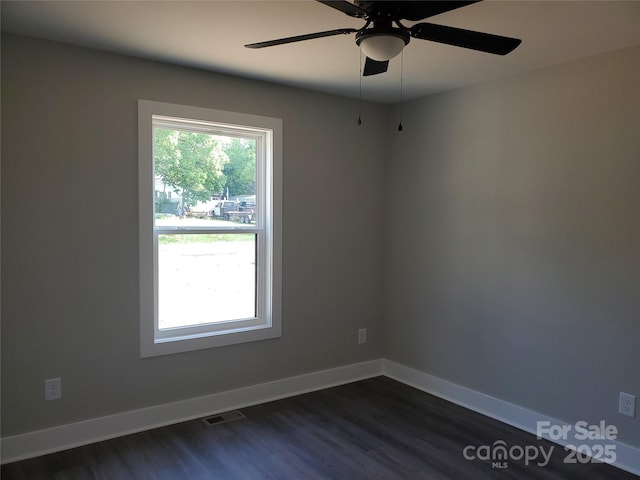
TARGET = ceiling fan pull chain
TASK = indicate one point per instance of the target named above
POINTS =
(400, 127)
(360, 91)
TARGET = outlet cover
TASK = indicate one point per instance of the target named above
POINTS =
(362, 335)
(627, 405)
(53, 389)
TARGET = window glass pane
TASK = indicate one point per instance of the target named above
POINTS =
(205, 278)
(200, 177)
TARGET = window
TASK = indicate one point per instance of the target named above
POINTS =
(210, 225)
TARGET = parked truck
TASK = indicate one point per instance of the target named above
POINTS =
(242, 212)
(200, 209)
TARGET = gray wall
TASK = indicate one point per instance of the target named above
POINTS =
(513, 247)
(69, 234)
(511, 252)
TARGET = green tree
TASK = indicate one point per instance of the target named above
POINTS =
(192, 163)
(240, 172)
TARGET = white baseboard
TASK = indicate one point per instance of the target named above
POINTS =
(63, 437)
(627, 457)
(41, 442)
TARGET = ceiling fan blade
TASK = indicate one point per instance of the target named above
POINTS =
(300, 38)
(345, 7)
(419, 10)
(374, 67)
(484, 42)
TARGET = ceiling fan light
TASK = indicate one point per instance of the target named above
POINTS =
(382, 47)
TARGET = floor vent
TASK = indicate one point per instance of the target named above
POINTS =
(223, 418)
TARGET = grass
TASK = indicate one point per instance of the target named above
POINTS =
(165, 239)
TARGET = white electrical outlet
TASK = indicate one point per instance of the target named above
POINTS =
(53, 389)
(627, 405)
(362, 335)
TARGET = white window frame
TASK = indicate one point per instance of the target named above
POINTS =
(267, 132)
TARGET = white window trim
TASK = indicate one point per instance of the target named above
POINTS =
(154, 342)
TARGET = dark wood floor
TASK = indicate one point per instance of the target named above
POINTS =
(373, 429)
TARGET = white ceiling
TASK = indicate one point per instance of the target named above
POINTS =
(211, 35)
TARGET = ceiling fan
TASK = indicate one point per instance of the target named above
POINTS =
(383, 36)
